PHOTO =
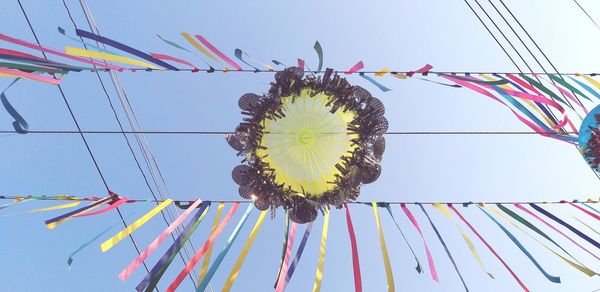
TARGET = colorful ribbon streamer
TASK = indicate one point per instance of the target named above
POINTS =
(319, 51)
(586, 225)
(424, 70)
(355, 261)
(52, 223)
(108, 57)
(321, 262)
(465, 237)
(355, 68)
(565, 224)
(85, 44)
(300, 64)
(595, 216)
(56, 52)
(489, 247)
(586, 87)
(286, 259)
(157, 242)
(413, 220)
(418, 267)
(554, 228)
(199, 47)
(87, 243)
(576, 266)
(208, 253)
(114, 205)
(125, 48)
(386, 259)
(219, 259)
(190, 265)
(161, 266)
(35, 77)
(4, 206)
(379, 85)
(242, 257)
(439, 236)
(20, 125)
(550, 278)
(284, 247)
(57, 207)
(174, 59)
(298, 255)
(108, 244)
(238, 54)
(218, 53)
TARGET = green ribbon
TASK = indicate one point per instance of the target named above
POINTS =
(319, 51)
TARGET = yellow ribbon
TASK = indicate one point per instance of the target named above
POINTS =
(200, 48)
(208, 253)
(465, 237)
(240, 261)
(386, 259)
(55, 224)
(63, 206)
(108, 244)
(108, 57)
(321, 263)
(591, 80)
(382, 72)
(399, 75)
(580, 268)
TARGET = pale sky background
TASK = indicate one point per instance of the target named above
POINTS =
(401, 35)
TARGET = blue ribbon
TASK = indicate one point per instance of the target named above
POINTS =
(294, 263)
(565, 224)
(379, 85)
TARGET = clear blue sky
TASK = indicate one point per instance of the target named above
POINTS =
(398, 34)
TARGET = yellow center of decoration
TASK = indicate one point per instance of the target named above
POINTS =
(304, 146)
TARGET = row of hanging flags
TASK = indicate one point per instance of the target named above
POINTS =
(523, 216)
(552, 105)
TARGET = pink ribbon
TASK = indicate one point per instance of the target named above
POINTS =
(157, 241)
(300, 64)
(30, 76)
(553, 228)
(174, 59)
(218, 53)
(596, 216)
(412, 218)
(286, 259)
(424, 69)
(355, 68)
(116, 204)
(55, 52)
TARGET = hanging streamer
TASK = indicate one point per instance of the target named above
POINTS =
(219, 259)
(424, 70)
(284, 247)
(413, 220)
(298, 255)
(543, 88)
(439, 236)
(586, 225)
(489, 247)
(31, 68)
(4, 206)
(238, 54)
(242, 257)
(319, 51)
(379, 85)
(208, 253)
(156, 242)
(105, 231)
(161, 266)
(585, 86)
(114, 205)
(591, 208)
(355, 68)
(554, 228)
(386, 259)
(465, 237)
(58, 53)
(174, 59)
(57, 207)
(177, 46)
(52, 223)
(565, 224)
(20, 125)
(108, 244)
(286, 259)
(355, 261)
(86, 44)
(123, 47)
(559, 79)
(576, 266)
(190, 265)
(418, 267)
(108, 57)
(321, 262)
(300, 64)
(382, 72)
(550, 278)
(595, 216)
(18, 73)
(218, 53)
(199, 47)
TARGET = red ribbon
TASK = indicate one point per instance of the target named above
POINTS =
(355, 262)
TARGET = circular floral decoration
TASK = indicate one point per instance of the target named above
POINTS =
(309, 143)
(589, 139)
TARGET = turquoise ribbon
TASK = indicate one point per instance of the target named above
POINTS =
(379, 85)
(551, 278)
(215, 265)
